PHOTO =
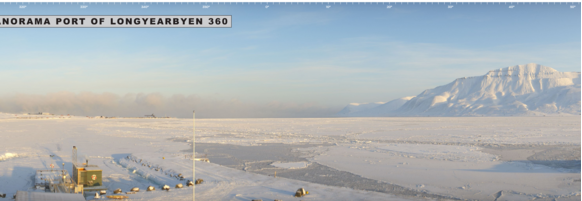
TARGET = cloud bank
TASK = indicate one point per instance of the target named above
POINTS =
(140, 104)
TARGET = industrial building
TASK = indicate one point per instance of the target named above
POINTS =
(56, 181)
(88, 176)
(57, 185)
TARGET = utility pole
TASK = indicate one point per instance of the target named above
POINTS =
(194, 154)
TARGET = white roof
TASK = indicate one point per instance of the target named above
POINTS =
(38, 196)
(92, 168)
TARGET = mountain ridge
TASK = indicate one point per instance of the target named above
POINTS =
(529, 89)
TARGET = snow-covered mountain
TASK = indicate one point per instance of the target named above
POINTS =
(357, 107)
(379, 110)
(530, 89)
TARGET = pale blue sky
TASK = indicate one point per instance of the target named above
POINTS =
(287, 53)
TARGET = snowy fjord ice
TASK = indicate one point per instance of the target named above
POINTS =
(455, 157)
(291, 165)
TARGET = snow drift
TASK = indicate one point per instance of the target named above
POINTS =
(529, 89)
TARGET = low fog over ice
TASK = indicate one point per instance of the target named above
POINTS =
(138, 105)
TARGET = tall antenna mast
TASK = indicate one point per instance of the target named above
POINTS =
(194, 154)
(74, 156)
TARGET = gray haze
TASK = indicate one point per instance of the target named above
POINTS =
(138, 105)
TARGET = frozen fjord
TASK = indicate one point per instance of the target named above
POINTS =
(480, 158)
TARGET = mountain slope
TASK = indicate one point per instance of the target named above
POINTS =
(357, 107)
(379, 110)
(530, 89)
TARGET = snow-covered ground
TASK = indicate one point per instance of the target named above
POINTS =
(412, 158)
